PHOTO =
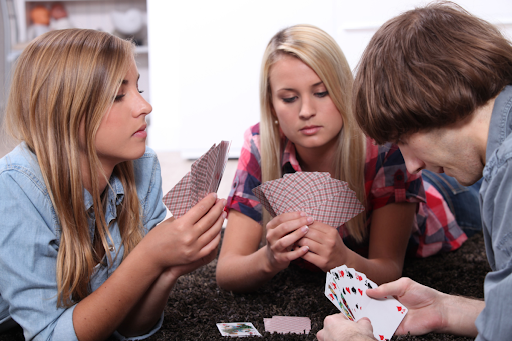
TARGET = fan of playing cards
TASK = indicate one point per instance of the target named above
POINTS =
(203, 178)
(325, 199)
(346, 289)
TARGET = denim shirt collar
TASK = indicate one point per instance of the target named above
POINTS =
(501, 125)
(115, 195)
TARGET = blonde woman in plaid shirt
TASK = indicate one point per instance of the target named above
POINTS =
(307, 124)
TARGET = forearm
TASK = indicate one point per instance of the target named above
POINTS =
(379, 270)
(148, 310)
(244, 273)
(100, 313)
(459, 315)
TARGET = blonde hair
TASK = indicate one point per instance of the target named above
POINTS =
(67, 80)
(321, 53)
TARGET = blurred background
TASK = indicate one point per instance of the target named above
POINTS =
(200, 60)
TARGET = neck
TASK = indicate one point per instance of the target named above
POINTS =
(86, 175)
(479, 126)
(317, 159)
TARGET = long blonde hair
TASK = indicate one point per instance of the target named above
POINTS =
(321, 53)
(65, 80)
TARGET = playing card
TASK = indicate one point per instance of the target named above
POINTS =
(204, 178)
(385, 315)
(334, 295)
(288, 324)
(327, 200)
(237, 329)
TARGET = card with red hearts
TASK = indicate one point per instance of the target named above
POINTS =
(385, 315)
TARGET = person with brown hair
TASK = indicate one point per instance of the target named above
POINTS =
(438, 81)
(307, 124)
(84, 253)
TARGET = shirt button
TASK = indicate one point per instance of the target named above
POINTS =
(111, 248)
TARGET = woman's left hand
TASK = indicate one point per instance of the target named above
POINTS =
(326, 248)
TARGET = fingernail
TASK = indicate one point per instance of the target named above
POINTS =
(224, 202)
(224, 214)
(303, 214)
(215, 195)
(307, 247)
(304, 229)
(310, 220)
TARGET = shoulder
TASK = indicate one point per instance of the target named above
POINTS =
(20, 167)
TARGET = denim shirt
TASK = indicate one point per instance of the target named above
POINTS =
(30, 238)
(493, 323)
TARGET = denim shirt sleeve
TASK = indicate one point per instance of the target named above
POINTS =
(28, 254)
(493, 323)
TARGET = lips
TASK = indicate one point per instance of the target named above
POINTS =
(310, 130)
(141, 132)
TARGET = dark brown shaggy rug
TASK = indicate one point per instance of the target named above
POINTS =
(197, 304)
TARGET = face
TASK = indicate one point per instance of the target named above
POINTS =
(122, 132)
(445, 150)
(302, 105)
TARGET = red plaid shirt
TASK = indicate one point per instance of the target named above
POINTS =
(386, 181)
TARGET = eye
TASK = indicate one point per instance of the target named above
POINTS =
(289, 99)
(140, 91)
(118, 97)
(321, 94)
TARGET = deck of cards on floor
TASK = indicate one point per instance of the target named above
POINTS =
(346, 289)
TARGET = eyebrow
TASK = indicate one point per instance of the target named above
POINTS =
(125, 81)
(314, 85)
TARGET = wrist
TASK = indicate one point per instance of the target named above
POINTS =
(459, 315)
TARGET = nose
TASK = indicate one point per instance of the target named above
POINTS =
(307, 109)
(143, 107)
(413, 164)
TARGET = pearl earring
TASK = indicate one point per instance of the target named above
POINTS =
(276, 122)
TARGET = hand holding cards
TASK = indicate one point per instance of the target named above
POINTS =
(325, 199)
(203, 179)
(346, 289)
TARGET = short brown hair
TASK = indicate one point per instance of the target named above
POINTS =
(428, 68)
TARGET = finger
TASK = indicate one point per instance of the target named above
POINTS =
(396, 288)
(320, 335)
(286, 227)
(297, 253)
(213, 232)
(287, 240)
(201, 208)
(282, 218)
(208, 220)
(366, 323)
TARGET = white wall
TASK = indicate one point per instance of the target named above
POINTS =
(204, 58)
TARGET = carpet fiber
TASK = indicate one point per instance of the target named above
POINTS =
(196, 304)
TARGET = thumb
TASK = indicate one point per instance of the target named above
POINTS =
(365, 323)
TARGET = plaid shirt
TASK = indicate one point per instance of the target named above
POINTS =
(386, 181)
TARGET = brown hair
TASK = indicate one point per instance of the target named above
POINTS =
(321, 53)
(428, 68)
(65, 80)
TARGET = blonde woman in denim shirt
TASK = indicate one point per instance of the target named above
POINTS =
(84, 253)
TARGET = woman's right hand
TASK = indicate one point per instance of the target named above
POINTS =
(282, 233)
(190, 238)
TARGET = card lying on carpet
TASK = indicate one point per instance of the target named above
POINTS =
(237, 329)
(204, 178)
(346, 289)
(287, 324)
(325, 199)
